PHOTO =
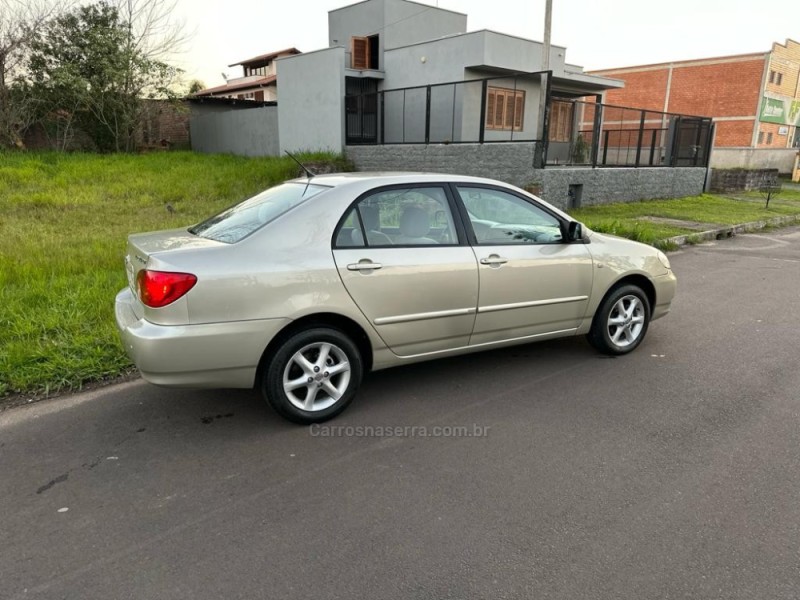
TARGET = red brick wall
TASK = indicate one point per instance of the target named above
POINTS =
(645, 89)
(734, 133)
(719, 89)
(778, 141)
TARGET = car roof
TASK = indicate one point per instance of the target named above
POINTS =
(391, 177)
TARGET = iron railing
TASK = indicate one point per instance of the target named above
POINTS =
(595, 134)
(509, 109)
(457, 112)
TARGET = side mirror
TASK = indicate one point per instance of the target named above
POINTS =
(574, 231)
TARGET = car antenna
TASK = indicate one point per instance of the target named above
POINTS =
(309, 172)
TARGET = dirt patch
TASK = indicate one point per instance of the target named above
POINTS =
(15, 400)
(696, 225)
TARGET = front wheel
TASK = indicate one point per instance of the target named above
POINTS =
(621, 322)
(313, 375)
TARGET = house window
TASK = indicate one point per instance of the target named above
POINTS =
(760, 137)
(364, 52)
(561, 121)
(769, 138)
(775, 77)
(505, 109)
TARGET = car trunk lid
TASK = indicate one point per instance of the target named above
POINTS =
(142, 246)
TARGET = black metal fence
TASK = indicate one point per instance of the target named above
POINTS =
(509, 109)
(495, 109)
(595, 134)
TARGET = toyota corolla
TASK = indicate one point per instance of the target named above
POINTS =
(307, 286)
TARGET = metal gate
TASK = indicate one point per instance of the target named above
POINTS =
(691, 141)
(361, 110)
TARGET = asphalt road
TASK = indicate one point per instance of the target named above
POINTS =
(670, 473)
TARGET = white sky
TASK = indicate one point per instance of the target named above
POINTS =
(597, 33)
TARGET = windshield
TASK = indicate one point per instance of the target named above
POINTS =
(237, 222)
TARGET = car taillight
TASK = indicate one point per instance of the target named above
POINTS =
(159, 288)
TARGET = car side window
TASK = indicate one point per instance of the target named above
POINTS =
(350, 235)
(498, 217)
(416, 216)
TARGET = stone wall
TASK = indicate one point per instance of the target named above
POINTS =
(567, 187)
(736, 180)
(513, 163)
(510, 162)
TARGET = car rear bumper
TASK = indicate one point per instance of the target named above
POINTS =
(215, 355)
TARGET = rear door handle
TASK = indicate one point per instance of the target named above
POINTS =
(494, 259)
(364, 265)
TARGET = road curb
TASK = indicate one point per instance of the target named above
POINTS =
(728, 231)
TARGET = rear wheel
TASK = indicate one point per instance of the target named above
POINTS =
(620, 323)
(313, 375)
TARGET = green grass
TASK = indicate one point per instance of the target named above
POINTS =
(629, 220)
(65, 218)
(64, 221)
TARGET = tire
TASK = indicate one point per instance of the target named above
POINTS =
(621, 322)
(303, 387)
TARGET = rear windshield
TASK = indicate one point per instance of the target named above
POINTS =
(237, 222)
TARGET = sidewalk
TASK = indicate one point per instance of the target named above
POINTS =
(726, 231)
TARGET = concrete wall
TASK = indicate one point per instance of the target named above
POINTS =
(446, 59)
(513, 163)
(754, 158)
(311, 101)
(233, 130)
(397, 23)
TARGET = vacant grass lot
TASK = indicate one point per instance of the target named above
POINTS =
(64, 221)
(632, 220)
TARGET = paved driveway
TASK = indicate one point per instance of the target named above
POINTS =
(671, 473)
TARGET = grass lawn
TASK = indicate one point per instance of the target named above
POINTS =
(64, 222)
(65, 218)
(631, 220)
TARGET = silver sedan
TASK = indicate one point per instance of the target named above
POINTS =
(304, 288)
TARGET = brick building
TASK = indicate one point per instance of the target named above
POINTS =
(753, 98)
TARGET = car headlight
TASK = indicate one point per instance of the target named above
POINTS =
(664, 260)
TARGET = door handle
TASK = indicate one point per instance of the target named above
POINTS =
(494, 259)
(364, 266)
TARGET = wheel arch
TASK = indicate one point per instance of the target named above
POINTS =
(336, 321)
(639, 280)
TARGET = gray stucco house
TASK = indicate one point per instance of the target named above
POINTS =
(391, 51)
(405, 86)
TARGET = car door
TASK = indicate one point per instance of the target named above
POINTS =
(532, 282)
(408, 267)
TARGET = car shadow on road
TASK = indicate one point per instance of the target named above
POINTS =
(401, 394)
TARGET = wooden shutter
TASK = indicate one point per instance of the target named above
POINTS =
(499, 107)
(359, 53)
(519, 110)
(505, 109)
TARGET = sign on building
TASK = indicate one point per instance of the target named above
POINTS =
(779, 111)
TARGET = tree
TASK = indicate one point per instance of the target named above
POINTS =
(195, 85)
(19, 20)
(101, 62)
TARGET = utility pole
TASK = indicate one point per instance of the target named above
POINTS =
(548, 19)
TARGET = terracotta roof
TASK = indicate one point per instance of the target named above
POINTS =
(265, 57)
(256, 83)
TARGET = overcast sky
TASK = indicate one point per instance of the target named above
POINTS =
(597, 33)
